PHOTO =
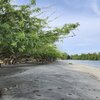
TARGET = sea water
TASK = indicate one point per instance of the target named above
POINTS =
(86, 62)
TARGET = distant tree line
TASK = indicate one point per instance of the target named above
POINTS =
(89, 56)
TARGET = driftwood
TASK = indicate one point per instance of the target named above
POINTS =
(44, 60)
(8, 61)
(25, 59)
(1, 62)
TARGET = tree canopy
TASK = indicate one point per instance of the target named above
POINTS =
(22, 32)
(88, 56)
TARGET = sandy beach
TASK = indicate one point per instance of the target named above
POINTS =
(86, 69)
(56, 81)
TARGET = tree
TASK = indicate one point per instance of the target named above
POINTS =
(89, 56)
(65, 56)
(23, 33)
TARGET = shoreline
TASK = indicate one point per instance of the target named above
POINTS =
(76, 67)
(95, 71)
(87, 69)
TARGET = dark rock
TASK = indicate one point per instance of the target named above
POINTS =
(59, 88)
(35, 91)
(69, 94)
(38, 94)
(50, 89)
(1, 92)
(96, 97)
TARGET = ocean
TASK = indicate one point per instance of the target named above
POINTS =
(85, 62)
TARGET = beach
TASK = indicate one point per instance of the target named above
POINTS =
(56, 81)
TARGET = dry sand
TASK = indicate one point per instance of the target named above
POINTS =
(87, 69)
(56, 81)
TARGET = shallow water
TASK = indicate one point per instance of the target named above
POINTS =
(85, 62)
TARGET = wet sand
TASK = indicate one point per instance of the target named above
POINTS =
(56, 81)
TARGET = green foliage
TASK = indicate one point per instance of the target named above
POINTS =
(21, 32)
(89, 56)
(33, 1)
(65, 56)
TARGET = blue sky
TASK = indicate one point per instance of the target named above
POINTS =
(86, 12)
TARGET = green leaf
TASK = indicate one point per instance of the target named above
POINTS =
(33, 2)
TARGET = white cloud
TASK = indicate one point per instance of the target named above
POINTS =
(95, 7)
(14, 2)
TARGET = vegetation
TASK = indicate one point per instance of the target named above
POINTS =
(65, 56)
(89, 56)
(23, 33)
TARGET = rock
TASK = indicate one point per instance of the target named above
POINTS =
(5, 89)
(38, 94)
(59, 88)
(1, 92)
(50, 89)
(35, 91)
(69, 94)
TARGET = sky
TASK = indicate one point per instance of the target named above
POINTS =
(86, 12)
